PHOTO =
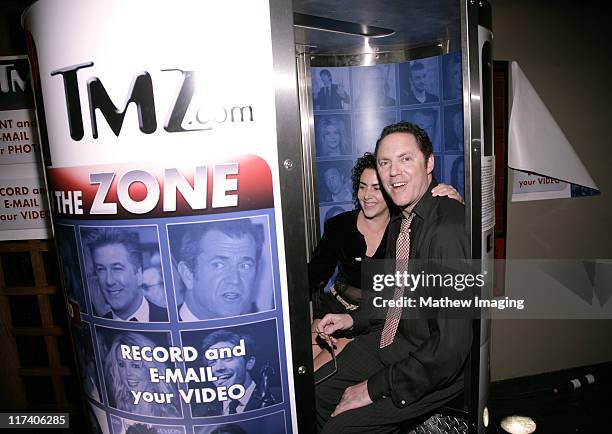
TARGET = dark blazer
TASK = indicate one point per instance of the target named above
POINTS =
(408, 98)
(342, 246)
(332, 101)
(215, 408)
(156, 313)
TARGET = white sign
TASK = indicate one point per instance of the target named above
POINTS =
(161, 121)
(24, 212)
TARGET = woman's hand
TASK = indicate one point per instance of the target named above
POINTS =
(447, 190)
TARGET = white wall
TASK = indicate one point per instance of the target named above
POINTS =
(563, 47)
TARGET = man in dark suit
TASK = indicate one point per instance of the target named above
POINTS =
(401, 366)
(417, 86)
(117, 260)
(236, 370)
(330, 95)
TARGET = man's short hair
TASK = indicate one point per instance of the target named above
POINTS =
(238, 228)
(108, 236)
(325, 72)
(422, 139)
(230, 337)
(416, 66)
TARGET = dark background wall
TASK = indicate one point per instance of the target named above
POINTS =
(563, 48)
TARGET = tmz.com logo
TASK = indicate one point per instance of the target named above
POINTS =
(13, 79)
(180, 116)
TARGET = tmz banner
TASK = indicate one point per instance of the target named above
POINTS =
(24, 213)
(162, 174)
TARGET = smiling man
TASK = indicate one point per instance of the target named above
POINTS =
(399, 368)
(235, 370)
(219, 265)
(117, 262)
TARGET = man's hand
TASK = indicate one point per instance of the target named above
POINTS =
(332, 322)
(356, 396)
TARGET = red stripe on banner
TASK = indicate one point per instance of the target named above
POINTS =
(151, 190)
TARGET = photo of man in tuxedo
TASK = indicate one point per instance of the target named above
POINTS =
(257, 383)
(331, 95)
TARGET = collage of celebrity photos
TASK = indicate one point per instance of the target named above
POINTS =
(353, 104)
(209, 285)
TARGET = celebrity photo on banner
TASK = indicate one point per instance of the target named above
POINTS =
(165, 196)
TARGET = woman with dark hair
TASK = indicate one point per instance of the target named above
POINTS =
(348, 240)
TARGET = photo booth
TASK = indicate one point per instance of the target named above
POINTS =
(167, 123)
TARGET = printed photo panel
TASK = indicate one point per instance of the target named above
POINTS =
(127, 379)
(242, 366)
(374, 86)
(222, 268)
(333, 135)
(419, 81)
(331, 88)
(124, 272)
(334, 180)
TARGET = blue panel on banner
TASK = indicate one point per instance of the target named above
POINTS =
(353, 104)
(183, 318)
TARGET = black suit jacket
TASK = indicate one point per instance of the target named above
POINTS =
(438, 346)
(331, 101)
(156, 313)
